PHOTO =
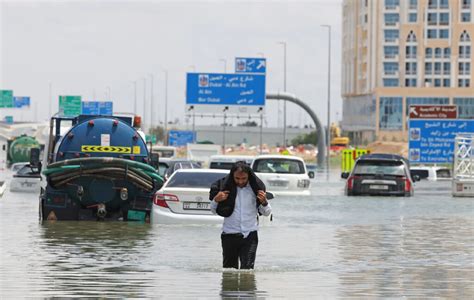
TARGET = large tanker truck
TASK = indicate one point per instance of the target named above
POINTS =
(97, 169)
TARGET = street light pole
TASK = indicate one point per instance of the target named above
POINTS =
(225, 64)
(284, 89)
(152, 78)
(166, 107)
(223, 130)
(144, 103)
(329, 96)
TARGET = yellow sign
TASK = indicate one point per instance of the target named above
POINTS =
(349, 157)
(136, 149)
(107, 149)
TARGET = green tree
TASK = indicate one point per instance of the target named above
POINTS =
(310, 138)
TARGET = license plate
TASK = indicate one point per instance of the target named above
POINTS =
(378, 187)
(277, 183)
(196, 205)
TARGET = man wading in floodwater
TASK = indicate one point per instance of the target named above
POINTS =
(239, 198)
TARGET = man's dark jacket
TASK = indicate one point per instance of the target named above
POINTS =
(226, 207)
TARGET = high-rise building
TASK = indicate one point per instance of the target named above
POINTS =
(397, 53)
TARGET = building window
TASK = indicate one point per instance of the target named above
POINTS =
(465, 107)
(444, 4)
(432, 33)
(410, 68)
(412, 17)
(410, 51)
(411, 37)
(464, 51)
(391, 19)
(437, 68)
(437, 52)
(432, 4)
(391, 35)
(437, 82)
(410, 82)
(465, 17)
(390, 113)
(390, 51)
(446, 82)
(463, 82)
(391, 4)
(432, 18)
(466, 4)
(413, 4)
(429, 52)
(390, 82)
(464, 68)
(446, 68)
(447, 52)
(444, 19)
(428, 68)
(390, 68)
(444, 34)
(465, 37)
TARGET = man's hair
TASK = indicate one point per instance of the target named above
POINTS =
(241, 166)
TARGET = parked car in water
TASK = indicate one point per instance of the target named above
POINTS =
(184, 198)
(431, 173)
(282, 174)
(26, 180)
(225, 162)
(381, 175)
(17, 166)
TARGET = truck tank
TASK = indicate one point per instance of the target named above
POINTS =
(100, 169)
(19, 149)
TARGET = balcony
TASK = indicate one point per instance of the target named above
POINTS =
(391, 41)
(391, 24)
(466, 6)
(410, 72)
(390, 74)
(464, 72)
(411, 56)
(465, 56)
(446, 72)
(391, 57)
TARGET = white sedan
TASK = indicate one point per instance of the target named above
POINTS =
(184, 198)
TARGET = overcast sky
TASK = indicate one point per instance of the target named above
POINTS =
(87, 47)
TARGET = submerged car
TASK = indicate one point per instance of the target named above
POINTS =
(176, 164)
(380, 174)
(282, 174)
(26, 180)
(431, 173)
(184, 198)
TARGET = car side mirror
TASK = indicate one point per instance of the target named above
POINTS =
(345, 175)
(416, 178)
(270, 195)
(311, 174)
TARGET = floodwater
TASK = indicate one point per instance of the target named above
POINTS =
(324, 246)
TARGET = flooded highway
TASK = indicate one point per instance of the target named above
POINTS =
(323, 246)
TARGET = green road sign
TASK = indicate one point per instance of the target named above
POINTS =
(150, 138)
(70, 106)
(6, 98)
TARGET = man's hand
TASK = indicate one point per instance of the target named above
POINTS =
(262, 197)
(221, 196)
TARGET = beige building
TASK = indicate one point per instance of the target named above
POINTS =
(402, 52)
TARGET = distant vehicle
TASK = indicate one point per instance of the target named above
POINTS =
(225, 162)
(381, 175)
(184, 198)
(282, 174)
(164, 151)
(431, 173)
(26, 180)
(17, 166)
(175, 164)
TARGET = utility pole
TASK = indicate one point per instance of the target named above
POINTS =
(329, 96)
(166, 107)
(144, 103)
(151, 101)
(284, 90)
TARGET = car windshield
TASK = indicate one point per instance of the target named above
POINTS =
(278, 165)
(221, 165)
(194, 180)
(365, 167)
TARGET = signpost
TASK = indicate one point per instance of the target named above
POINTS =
(250, 65)
(6, 98)
(70, 106)
(180, 138)
(19, 102)
(97, 108)
(431, 139)
(227, 92)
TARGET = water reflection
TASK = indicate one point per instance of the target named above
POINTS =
(239, 284)
(414, 258)
(84, 256)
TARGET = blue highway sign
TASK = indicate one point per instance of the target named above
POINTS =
(250, 65)
(97, 108)
(179, 138)
(225, 89)
(21, 101)
(432, 141)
